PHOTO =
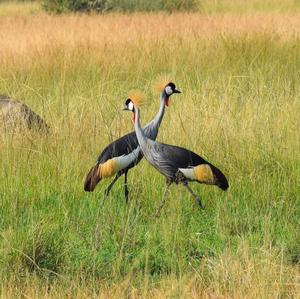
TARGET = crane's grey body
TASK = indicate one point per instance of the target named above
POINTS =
(169, 160)
(178, 164)
(161, 156)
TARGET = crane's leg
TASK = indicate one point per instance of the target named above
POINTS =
(126, 187)
(107, 190)
(197, 199)
(169, 182)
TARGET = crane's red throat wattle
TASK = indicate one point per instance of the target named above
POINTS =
(167, 102)
(133, 117)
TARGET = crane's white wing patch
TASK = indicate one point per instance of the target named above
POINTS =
(202, 173)
(188, 173)
(125, 160)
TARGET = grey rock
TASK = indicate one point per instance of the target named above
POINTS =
(15, 115)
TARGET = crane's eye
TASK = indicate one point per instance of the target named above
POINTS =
(168, 90)
(130, 106)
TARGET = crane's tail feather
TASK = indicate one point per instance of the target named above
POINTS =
(92, 179)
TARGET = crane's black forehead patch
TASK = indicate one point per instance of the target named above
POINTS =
(172, 85)
(127, 101)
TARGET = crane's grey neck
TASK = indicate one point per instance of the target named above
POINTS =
(138, 129)
(160, 114)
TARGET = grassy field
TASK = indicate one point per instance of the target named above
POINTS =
(239, 109)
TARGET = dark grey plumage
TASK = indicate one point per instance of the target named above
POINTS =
(169, 159)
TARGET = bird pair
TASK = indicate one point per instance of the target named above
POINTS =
(177, 164)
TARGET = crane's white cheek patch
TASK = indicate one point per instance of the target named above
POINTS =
(130, 106)
(168, 90)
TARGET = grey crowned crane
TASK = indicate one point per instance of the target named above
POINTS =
(177, 164)
(124, 153)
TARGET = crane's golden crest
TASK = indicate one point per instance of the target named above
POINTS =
(107, 169)
(136, 97)
(160, 82)
(203, 173)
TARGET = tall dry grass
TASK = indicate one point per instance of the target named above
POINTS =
(28, 37)
(15, 9)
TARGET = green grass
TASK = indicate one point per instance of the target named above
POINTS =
(239, 109)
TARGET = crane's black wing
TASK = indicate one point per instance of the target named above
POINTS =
(173, 157)
(168, 158)
(180, 157)
(122, 146)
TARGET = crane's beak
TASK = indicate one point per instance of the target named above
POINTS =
(124, 108)
(176, 91)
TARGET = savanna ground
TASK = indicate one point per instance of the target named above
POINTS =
(240, 108)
